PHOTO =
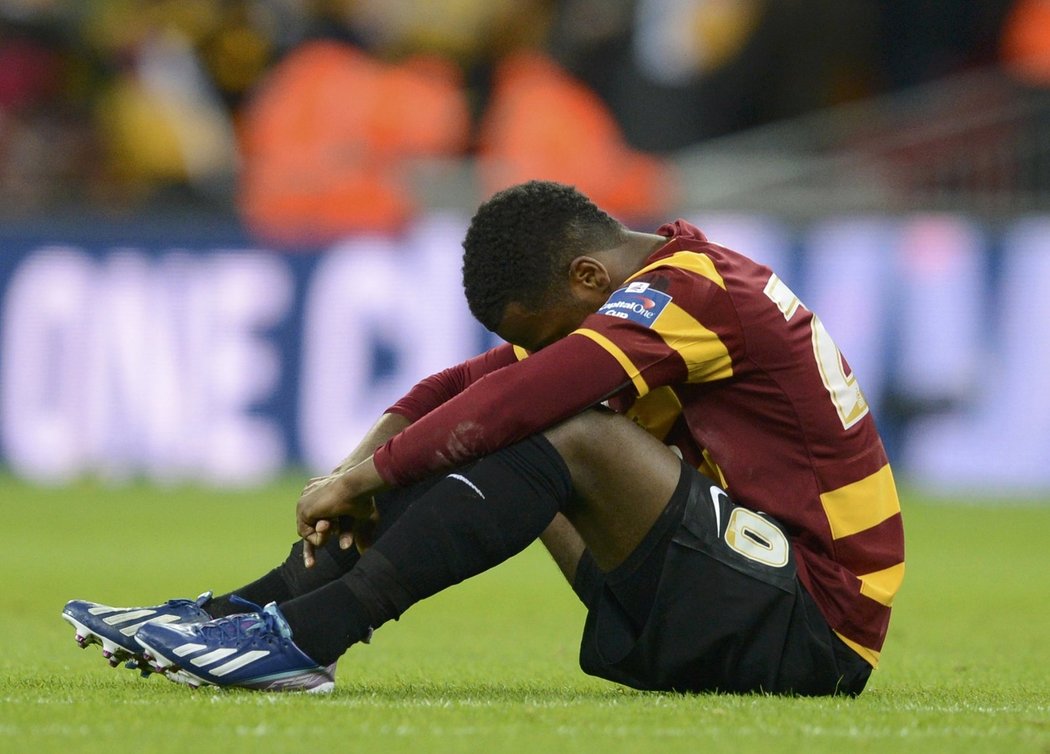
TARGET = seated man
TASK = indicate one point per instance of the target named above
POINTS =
(678, 429)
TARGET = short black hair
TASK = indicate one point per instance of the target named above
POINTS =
(521, 241)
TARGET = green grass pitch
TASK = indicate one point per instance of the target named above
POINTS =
(490, 665)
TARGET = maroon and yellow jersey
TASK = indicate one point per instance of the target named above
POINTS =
(713, 354)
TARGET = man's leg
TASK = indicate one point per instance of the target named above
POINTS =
(617, 497)
(115, 627)
(471, 521)
(730, 618)
(622, 479)
(629, 516)
(565, 545)
(293, 579)
(288, 580)
(650, 538)
(614, 520)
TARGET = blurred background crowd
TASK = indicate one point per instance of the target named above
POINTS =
(306, 117)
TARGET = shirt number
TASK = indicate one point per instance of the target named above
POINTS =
(846, 396)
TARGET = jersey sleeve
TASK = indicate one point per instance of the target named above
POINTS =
(642, 338)
(432, 391)
(503, 407)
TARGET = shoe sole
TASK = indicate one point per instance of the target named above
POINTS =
(113, 653)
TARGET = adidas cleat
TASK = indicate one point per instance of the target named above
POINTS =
(114, 628)
(252, 651)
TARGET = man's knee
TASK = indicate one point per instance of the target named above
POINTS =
(587, 432)
(600, 430)
(603, 442)
(622, 478)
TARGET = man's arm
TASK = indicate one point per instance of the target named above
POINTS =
(611, 351)
(425, 396)
(388, 425)
(511, 404)
(438, 388)
(606, 356)
(505, 406)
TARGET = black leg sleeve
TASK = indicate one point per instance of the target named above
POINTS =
(292, 579)
(466, 523)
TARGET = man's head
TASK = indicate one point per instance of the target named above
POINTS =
(525, 251)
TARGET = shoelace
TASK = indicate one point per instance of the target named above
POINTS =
(236, 599)
(180, 602)
(242, 627)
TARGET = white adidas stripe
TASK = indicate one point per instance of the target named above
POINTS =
(186, 649)
(213, 656)
(133, 629)
(133, 615)
(239, 662)
(102, 610)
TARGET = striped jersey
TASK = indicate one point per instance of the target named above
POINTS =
(713, 354)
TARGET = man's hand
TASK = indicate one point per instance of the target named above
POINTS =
(322, 528)
(338, 505)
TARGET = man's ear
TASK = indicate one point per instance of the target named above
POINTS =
(589, 274)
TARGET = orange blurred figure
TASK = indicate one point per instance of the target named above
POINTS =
(1025, 44)
(543, 124)
(325, 138)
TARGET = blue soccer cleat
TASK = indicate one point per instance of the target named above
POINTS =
(115, 627)
(252, 651)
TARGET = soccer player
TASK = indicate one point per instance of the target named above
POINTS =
(667, 417)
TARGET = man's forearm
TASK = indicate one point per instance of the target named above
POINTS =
(425, 396)
(386, 426)
(508, 405)
(432, 391)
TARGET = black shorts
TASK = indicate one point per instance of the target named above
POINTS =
(727, 611)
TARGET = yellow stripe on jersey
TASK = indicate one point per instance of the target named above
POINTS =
(656, 413)
(633, 373)
(692, 261)
(870, 655)
(882, 586)
(520, 353)
(705, 355)
(861, 505)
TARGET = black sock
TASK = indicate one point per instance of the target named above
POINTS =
(288, 580)
(327, 621)
(292, 579)
(466, 523)
(271, 587)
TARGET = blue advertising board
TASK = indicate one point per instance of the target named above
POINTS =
(189, 355)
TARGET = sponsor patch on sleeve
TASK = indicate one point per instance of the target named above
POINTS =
(636, 302)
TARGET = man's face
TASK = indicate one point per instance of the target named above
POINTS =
(534, 329)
